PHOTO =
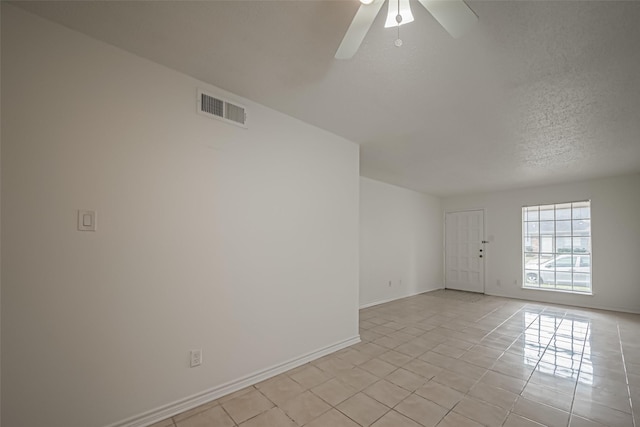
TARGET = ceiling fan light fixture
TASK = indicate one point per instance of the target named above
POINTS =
(405, 13)
(365, 2)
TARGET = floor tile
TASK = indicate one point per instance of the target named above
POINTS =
(357, 378)
(448, 350)
(437, 359)
(387, 393)
(423, 411)
(214, 417)
(515, 420)
(577, 421)
(422, 368)
(247, 406)
(378, 367)
(200, 408)
(310, 377)
(406, 379)
(281, 390)
(394, 419)
(440, 394)
(548, 396)
(493, 395)
(468, 370)
(371, 348)
(388, 342)
(273, 417)
(481, 412)
(478, 359)
(334, 365)
(305, 407)
(354, 357)
(455, 420)
(541, 413)
(412, 330)
(413, 349)
(516, 370)
(333, 391)
(395, 358)
(363, 409)
(558, 383)
(332, 418)
(496, 379)
(602, 414)
(609, 385)
(455, 381)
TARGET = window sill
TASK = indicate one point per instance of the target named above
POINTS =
(562, 291)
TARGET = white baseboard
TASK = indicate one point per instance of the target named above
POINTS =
(371, 304)
(179, 406)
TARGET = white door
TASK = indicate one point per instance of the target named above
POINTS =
(464, 249)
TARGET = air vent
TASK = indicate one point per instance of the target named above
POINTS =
(212, 106)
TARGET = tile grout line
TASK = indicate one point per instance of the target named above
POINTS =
(626, 375)
(575, 389)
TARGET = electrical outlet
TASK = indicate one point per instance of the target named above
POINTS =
(389, 282)
(196, 358)
(498, 282)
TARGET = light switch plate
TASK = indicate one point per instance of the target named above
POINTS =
(87, 220)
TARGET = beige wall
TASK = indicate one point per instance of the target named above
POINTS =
(400, 242)
(615, 227)
(243, 243)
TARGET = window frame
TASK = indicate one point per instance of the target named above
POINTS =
(549, 247)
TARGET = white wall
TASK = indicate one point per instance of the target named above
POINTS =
(400, 242)
(615, 211)
(243, 243)
(0, 222)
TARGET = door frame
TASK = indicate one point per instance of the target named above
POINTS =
(484, 245)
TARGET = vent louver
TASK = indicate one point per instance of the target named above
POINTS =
(213, 106)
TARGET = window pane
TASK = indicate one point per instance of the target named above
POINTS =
(531, 228)
(581, 282)
(582, 227)
(547, 212)
(546, 244)
(563, 261)
(563, 244)
(563, 278)
(563, 228)
(531, 278)
(581, 245)
(532, 261)
(531, 214)
(585, 261)
(529, 248)
(563, 211)
(547, 227)
(581, 210)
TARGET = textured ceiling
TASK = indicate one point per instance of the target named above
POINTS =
(539, 92)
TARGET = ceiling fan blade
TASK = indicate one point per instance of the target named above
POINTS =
(359, 27)
(454, 15)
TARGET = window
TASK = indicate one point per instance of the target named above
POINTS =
(556, 247)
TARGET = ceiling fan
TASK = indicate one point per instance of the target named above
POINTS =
(454, 16)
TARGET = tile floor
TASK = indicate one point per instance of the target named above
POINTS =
(452, 359)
